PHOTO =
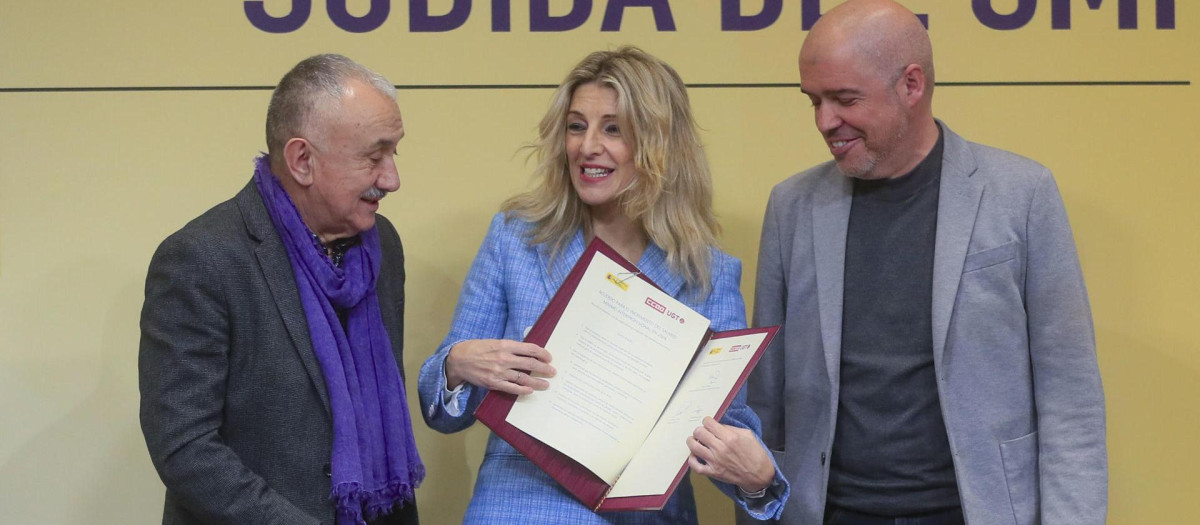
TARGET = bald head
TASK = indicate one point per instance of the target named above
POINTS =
(880, 33)
(867, 67)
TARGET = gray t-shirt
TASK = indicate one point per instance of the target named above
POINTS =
(891, 455)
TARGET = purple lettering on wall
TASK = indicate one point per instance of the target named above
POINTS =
(540, 19)
(501, 16)
(342, 18)
(258, 17)
(1164, 15)
(1017, 19)
(663, 20)
(733, 20)
(1127, 13)
(762, 14)
(420, 21)
(1060, 13)
(810, 12)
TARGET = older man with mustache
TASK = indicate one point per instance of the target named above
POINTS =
(270, 365)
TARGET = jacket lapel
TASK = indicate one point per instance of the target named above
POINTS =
(831, 216)
(654, 266)
(555, 269)
(277, 270)
(958, 202)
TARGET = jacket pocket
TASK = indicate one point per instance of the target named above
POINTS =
(778, 455)
(1020, 458)
(991, 256)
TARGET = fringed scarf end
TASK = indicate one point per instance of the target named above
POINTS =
(355, 505)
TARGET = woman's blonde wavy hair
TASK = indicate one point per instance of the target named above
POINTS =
(671, 193)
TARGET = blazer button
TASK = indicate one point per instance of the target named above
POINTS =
(328, 470)
(822, 459)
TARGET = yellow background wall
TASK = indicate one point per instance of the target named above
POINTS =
(91, 181)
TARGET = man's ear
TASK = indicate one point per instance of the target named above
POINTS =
(911, 85)
(298, 155)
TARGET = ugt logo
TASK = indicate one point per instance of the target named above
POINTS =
(663, 310)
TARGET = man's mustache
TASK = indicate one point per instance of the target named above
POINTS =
(374, 194)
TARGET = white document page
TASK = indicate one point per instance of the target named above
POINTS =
(704, 388)
(620, 349)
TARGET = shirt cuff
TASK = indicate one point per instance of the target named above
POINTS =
(752, 495)
(452, 400)
(756, 502)
(770, 504)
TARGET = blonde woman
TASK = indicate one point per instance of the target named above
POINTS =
(618, 158)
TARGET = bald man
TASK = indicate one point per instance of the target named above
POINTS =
(937, 360)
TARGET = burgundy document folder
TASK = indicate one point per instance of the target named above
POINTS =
(577, 479)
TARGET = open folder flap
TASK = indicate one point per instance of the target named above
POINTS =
(648, 481)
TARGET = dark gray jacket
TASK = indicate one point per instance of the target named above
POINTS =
(234, 407)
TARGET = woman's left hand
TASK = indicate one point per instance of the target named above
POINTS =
(730, 454)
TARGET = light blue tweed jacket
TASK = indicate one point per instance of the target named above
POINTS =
(508, 286)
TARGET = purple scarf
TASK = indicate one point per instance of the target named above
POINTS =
(375, 466)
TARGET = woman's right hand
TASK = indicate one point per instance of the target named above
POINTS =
(499, 364)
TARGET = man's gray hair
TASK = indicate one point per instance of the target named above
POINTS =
(316, 83)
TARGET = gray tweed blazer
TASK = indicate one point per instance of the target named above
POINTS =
(1013, 342)
(233, 402)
